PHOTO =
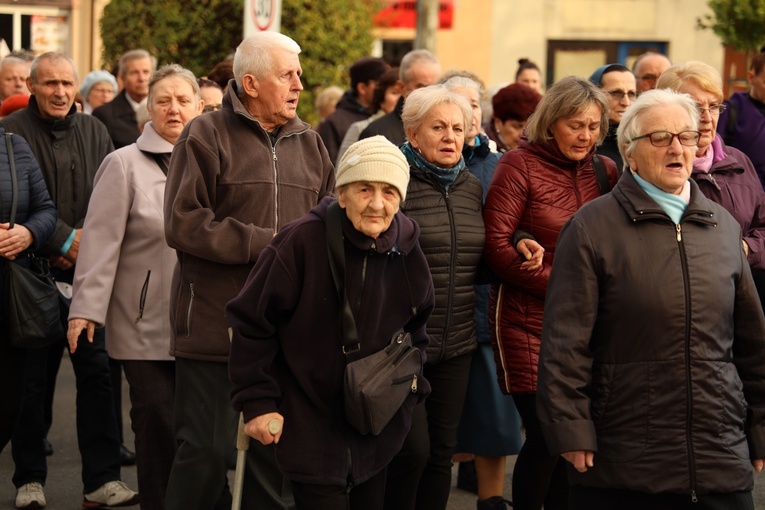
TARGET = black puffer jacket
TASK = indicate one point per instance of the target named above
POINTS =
(653, 347)
(35, 209)
(452, 238)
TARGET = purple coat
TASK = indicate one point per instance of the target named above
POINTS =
(742, 126)
(732, 182)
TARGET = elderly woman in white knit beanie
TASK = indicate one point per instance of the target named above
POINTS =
(287, 360)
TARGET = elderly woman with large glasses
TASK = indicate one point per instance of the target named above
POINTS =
(724, 174)
(652, 370)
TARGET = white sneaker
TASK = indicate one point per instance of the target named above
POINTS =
(30, 495)
(111, 494)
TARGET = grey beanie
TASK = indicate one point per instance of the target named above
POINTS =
(374, 159)
(94, 77)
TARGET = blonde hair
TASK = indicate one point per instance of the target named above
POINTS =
(421, 101)
(698, 73)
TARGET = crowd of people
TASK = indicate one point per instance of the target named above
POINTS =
(580, 270)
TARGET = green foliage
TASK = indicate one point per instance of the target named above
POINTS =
(196, 35)
(740, 24)
(332, 34)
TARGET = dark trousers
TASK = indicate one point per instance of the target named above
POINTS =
(152, 393)
(96, 424)
(205, 430)
(420, 475)
(587, 498)
(539, 478)
(115, 367)
(365, 496)
(12, 368)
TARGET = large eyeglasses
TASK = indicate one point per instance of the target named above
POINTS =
(618, 95)
(664, 138)
(714, 109)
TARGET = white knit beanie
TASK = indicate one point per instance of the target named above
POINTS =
(374, 160)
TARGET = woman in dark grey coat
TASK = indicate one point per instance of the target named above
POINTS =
(652, 370)
(35, 222)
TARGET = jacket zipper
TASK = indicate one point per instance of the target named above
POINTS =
(142, 301)
(276, 173)
(688, 381)
(452, 263)
(188, 311)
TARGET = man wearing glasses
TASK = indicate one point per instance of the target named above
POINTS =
(618, 82)
(647, 68)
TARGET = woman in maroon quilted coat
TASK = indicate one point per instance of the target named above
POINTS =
(536, 188)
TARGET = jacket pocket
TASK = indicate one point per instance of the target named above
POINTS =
(620, 410)
(189, 309)
(142, 299)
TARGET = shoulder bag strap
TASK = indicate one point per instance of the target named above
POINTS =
(600, 174)
(350, 335)
(14, 178)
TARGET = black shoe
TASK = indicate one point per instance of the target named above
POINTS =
(127, 458)
(467, 480)
(48, 447)
(494, 503)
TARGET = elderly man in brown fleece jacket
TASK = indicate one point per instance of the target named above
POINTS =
(237, 175)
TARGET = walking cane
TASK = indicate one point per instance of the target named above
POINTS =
(242, 445)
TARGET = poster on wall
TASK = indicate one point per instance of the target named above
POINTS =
(49, 33)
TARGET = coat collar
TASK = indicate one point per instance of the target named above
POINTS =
(151, 141)
(639, 206)
(231, 101)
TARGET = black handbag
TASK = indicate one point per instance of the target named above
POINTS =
(31, 300)
(377, 385)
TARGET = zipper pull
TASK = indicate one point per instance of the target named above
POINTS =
(679, 234)
(414, 383)
(273, 151)
(694, 499)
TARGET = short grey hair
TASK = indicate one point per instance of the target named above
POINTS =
(419, 103)
(567, 98)
(54, 57)
(255, 55)
(413, 58)
(632, 126)
(13, 61)
(135, 55)
(171, 70)
(459, 82)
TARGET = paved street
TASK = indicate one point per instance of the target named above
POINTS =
(64, 488)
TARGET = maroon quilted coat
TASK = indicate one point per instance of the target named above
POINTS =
(535, 189)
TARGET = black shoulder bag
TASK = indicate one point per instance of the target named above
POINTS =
(376, 386)
(31, 302)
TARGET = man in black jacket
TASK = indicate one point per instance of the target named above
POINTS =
(354, 105)
(135, 69)
(618, 82)
(69, 147)
(419, 68)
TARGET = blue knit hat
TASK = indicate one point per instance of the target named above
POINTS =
(94, 77)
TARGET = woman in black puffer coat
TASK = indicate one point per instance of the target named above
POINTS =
(35, 220)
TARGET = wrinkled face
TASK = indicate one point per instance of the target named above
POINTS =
(757, 84)
(370, 206)
(212, 97)
(136, 78)
(275, 98)
(13, 80)
(706, 102)
(648, 71)
(100, 94)
(531, 78)
(421, 74)
(576, 135)
(440, 136)
(474, 99)
(510, 131)
(620, 90)
(173, 105)
(55, 88)
(667, 168)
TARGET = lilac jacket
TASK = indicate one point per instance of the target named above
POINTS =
(743, 126)
(732, 182)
